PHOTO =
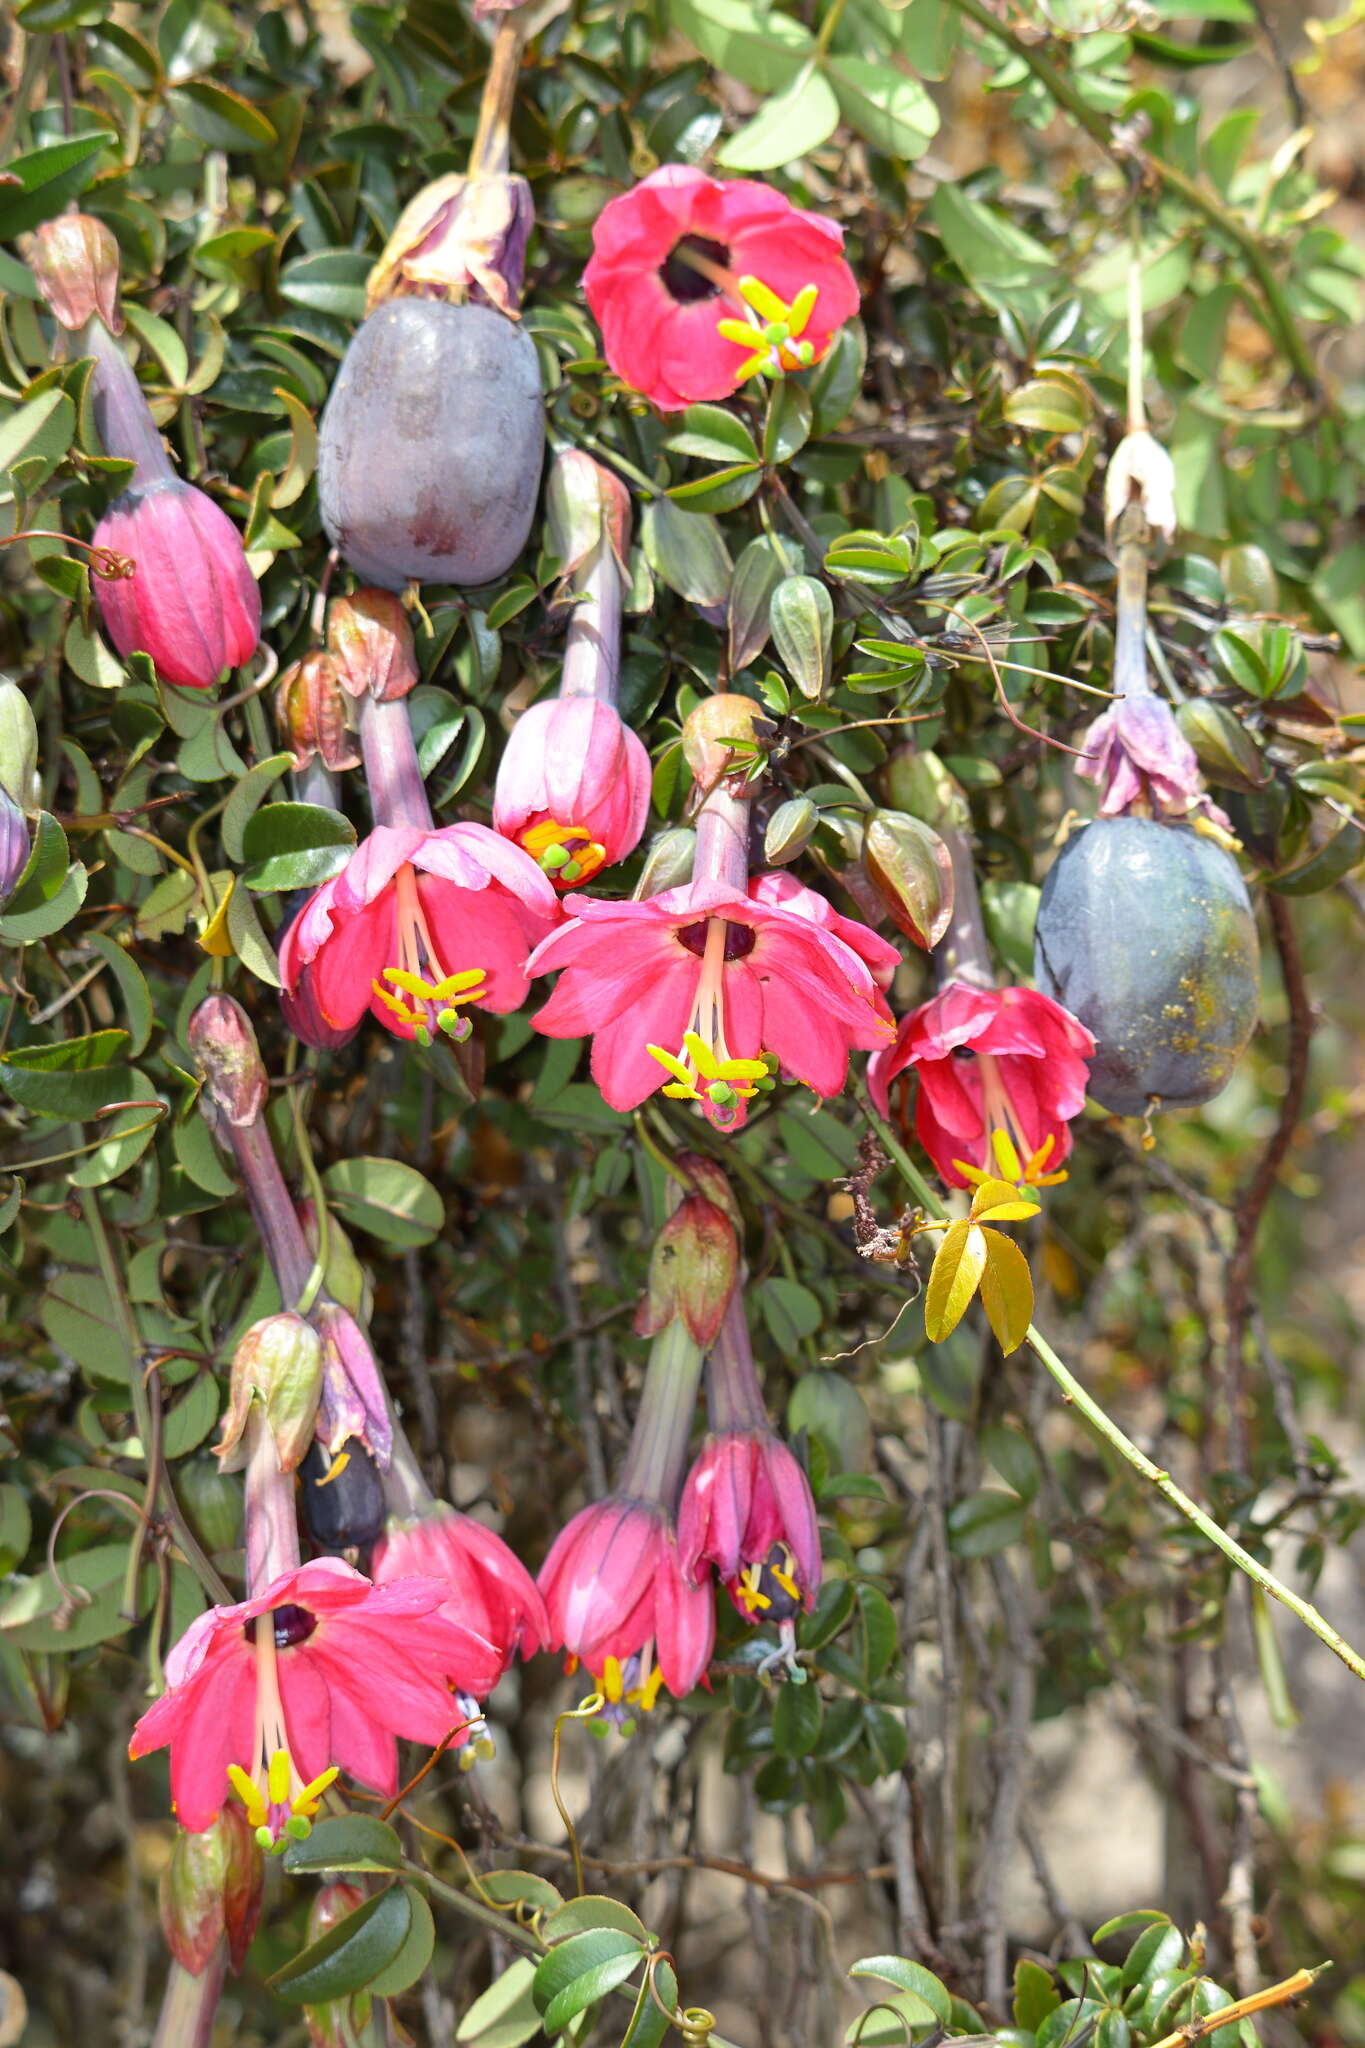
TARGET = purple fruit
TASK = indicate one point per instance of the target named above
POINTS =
(430, 447)
(1145, 932)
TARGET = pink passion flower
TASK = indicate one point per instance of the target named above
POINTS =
(747, 1509)
(1002, 1071)
(780, 888)
(699, 283)
(419, 923)
(706, 992)
(573, 788)
(320, 1672)
(191, 602)
(487, 1587)
(618, 1601)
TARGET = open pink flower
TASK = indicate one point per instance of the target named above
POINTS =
(617, 1600)
(417, 924)
(705, 992)
(1001, 1073)
(321, 1671)
(747, 1509)
(683, 263)
(573, 788)
(780, 887)
(191, 602)
(487, 1586)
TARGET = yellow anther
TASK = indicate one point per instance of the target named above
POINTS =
(1009, 1166)
(307, 1801)
(277, 1777)
(336, 1468)
(453, 988)
(772, 329)
(249, 1793)
(612, 1684)
(786, 1582)
(649, 1691)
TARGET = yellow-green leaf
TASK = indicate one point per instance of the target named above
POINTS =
(1001, 1202)
(303, 452)
(958, 1266)
(1006, 1290)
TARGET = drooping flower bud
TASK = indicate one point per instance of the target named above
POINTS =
(14, 843)
(18, 745)
(370, 641)
(584, 503)
(222, 1041)
(912, 872)
(573, 788)
(211, 1889)
(75, 263)
(278, 1363)
(692, 1271)
(310, 710)
(721, 737)
(332, 2025)
(463, 240)
(1140, 469)
(191, 603)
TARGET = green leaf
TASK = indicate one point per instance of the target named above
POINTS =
(1035, 1995)
(351, 1841)
(787, 427)
(985, 1522)
(414, 1957)
(16, 1526)
(295, 846)
(881, 1636)
(759, 570)
(894, 113)
(687, 552)
(219, 118)
(505, 2015)
(45, 869)
(911, 1978)
(1013, 1457)
(48, 178)
(797, 1714)
(130, 1132)
(350, 1955)
(191, 1418)
(1009, 270)
(764, 50)
(790, 1310)
(713, 435)
(593, 1909)
(1049, 405)
(797, 119)
(512, 1887)
(71, 1080)
(40, 433)
(580, 1971)
(249, 794)
(722, 491)
(331, 281)
(1328, 865)
(390, 1200)
(18, 928)
(801, 615)
(132, 987)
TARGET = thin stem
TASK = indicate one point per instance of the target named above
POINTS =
(272, 1530)
(190, 2004)
(963, 953)
(1074, 1393)
(1131, 675)
(123, 418)
(734, 1398)
(722, 853)
(592, 656)
(654, 1463)
(491, 153)
(277, 1220)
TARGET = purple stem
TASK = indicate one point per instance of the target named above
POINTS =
(123, 420)
(286, 1247)
(1131, 677)
(723, 840)
(315, 784)
(592, 658)
(963, 954)
(398, 795)
(734, 1398)
(653, 1469)
(190, 2004)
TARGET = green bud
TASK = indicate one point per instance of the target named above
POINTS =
(693, 1267)
(790, 829)
(668, 862)
(278, 1363)
(212, 1887)
(1249, 579)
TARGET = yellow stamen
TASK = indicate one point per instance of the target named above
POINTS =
(433, 995)
(336, 1468)
(772, 330)
(649, 1691)
(703, 1069)
(612, 1681)
(786, 1582)
(310, 1798)
(248, 1793)
(277, 1777)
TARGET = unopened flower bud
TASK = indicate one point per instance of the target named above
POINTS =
(75, 264)
(331, 2025)
(212, 1888)
(1223, 747)
(222, 1041)
(709, 1178)
(692, 1272)
(278, 1363)
(583, 502)
(721, 737)
(461, 239)
(18, 745)
(370, 640)
(920, 784)
(353, 1403)
(1140, 469)
(668, 862)
(912, 872)
(790, 830)
(188, 599)
(14, 843)
(310, 710)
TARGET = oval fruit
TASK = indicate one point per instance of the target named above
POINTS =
(1145, 932)
(430, 446)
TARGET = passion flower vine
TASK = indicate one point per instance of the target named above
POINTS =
(706, 990)
(700, 283)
